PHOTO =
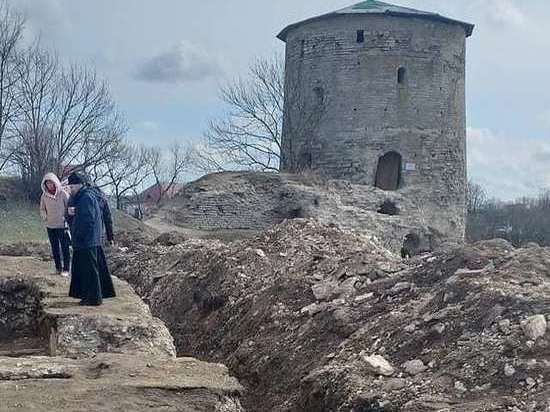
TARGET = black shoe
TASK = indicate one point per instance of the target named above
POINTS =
(87, 303)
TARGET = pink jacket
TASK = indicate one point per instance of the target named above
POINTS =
(53, 207)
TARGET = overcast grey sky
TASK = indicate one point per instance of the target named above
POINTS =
(166, 58)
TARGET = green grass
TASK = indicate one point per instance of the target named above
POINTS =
(20, 222)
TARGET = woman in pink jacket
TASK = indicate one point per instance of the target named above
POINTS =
(53, 209)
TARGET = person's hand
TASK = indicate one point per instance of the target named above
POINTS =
(71, 211)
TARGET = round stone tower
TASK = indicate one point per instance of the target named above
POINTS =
(375, 94)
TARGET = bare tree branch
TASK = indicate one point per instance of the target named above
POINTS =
(250, 133)
(11, 33)
(66, 116)
(167, 172)
(128, 170)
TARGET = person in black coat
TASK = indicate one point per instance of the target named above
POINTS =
(90, 281)
(105, 213)
(104, 272)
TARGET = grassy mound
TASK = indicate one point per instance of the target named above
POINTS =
(20, 222)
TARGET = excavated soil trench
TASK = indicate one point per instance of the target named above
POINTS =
(21, 329)
(113, 357)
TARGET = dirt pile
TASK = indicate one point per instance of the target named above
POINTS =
(128, 229)
(312, 318)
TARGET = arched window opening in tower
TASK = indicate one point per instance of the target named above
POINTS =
(388, 172)
(360, 36)
(402, 75)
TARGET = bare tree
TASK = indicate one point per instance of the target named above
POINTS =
(66, 117)
(544, 200)
(86, 122)
(32, 146)
(128, 170)
(476, 197)
(205, 159)
(11, 34)
(250, 133)
(262, 108)
(168, 171)
(32, 156)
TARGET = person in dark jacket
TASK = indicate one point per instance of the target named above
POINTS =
(104, 272)
(105, 213)
(89, 282)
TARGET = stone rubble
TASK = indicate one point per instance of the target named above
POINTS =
(535, 327)
(451, 324)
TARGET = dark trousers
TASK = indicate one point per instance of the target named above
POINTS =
(59, 242)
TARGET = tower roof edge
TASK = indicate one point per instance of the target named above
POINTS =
(374, 7)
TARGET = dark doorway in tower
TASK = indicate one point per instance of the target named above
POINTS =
(388, 173)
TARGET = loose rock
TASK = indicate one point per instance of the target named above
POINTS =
(534, 327)
(414, 367)
(379, 365)
(509, 370)
(460, 387)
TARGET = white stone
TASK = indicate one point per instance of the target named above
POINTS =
(364, 298)
(504, 326)
(410, 328)
(460, 387)
(534, 327)
(379, 365)
(325, 290)
(260, 253)
(399, 287)
(509, 370)
(414, 367)
(395, 384)
(311, 309)
(439, 328)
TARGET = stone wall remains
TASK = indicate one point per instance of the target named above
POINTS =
(345, 108)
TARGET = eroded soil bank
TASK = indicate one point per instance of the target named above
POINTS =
(117, 357)
(313, 318)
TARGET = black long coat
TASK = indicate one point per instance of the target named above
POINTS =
(87, 224)
(90, 280)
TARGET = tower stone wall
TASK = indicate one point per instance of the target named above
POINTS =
(380, 100)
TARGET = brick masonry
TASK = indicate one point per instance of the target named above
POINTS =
(366, 113)
(255, 201)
